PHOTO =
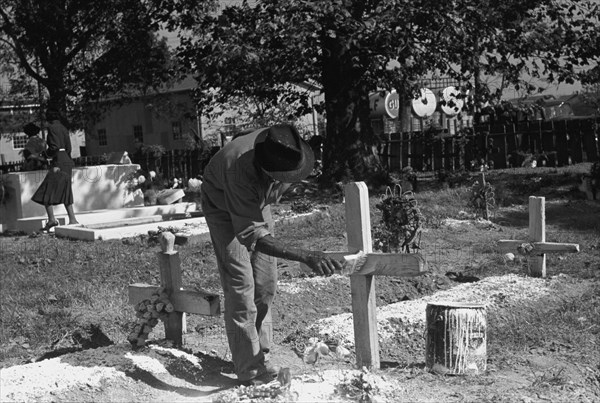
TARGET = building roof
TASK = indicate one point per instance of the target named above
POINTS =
(187, 84)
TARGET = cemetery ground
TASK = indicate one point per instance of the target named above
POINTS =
(65, 315)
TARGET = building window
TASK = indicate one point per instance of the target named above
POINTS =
(176, 128)
(230, 127)
(102, 140)
(19, 141)
(138, 134)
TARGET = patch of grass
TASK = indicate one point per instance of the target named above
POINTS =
(568, 319)
(551, 378)
(445, 203)
(322, 231)
(514, 186)
(51, 284)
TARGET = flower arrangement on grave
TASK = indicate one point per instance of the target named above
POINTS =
(317, 170)
(175, 183)
(482, 198)
(140, 179)
(317, 348)
(149, 312)
(149, 182)
(154, 235)
(194, 185)
(399, 230)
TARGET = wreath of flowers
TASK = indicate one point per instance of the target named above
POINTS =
(401, 222)
(149, 312)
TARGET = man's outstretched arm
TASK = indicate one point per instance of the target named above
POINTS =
(318, 261)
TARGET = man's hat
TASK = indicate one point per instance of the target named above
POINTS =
(283, 154)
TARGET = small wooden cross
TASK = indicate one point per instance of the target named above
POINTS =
(537, 247)
(198, 302)
(362, 281)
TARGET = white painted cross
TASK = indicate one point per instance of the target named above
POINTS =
(362, 281)
(536, 246)
(198, 302)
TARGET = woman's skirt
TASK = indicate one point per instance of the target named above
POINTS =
(56, 187)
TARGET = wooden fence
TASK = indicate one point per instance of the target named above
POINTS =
(550, 143)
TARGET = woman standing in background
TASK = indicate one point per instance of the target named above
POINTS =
(56, 188)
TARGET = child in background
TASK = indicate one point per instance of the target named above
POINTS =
(35, 149)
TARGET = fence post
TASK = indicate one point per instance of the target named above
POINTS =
(576, 140)
(562, 145)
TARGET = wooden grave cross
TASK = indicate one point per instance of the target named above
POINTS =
(362, 282)
(197, 302)
(536, 246)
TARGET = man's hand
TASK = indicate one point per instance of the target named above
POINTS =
(321, 264)
(55, 169)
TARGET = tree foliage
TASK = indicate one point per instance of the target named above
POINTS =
(80, 50)
(351, 48)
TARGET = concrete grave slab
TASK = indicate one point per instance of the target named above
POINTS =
(88, 218)
(120, 229)
(94, 188)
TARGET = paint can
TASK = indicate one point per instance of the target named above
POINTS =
(456, 339)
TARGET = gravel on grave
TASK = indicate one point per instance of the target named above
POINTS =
(103, 368)
(408, 317)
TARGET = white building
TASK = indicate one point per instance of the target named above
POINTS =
(169, 118)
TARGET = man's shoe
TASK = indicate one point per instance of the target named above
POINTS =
(272, 369)
(261, 379)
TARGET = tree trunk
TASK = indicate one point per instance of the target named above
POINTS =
(350, 147)
(57, 92)
(58, 100)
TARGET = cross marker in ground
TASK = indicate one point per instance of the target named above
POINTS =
(362, 279)
(189, 301)
(536, 246)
